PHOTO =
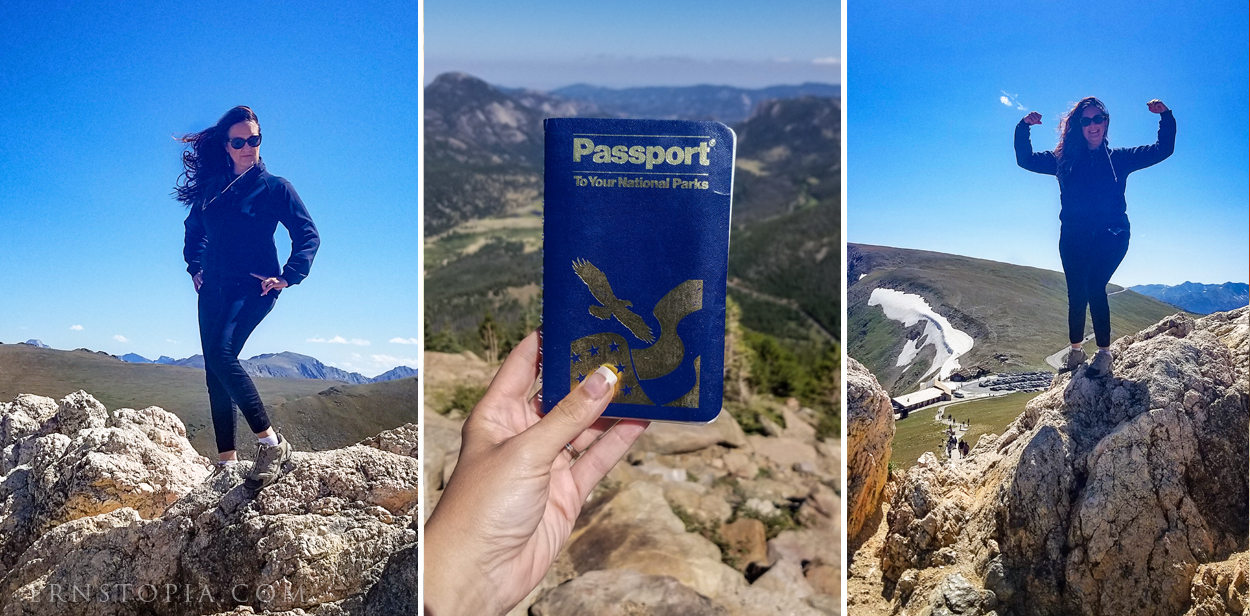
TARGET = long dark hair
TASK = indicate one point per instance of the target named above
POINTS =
(206, 163)
(1071, 139)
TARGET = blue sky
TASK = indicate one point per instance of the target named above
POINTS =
(91, 93)
(930, 163)
(546, 45)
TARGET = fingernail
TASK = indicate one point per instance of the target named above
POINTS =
(600, 382)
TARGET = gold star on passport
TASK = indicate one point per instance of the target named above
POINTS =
(614, 347)
(625, 389)
(620, 368)
(580, 376)
(576, 357)
(594, 350)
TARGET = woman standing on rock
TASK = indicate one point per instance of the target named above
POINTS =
(235, 207)
(1094, 230)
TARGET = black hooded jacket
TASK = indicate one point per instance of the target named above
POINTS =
(1091, 195)
(230, 236)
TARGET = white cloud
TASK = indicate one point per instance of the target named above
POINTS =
(172, 341)
(829, 60)
(341, 340)
(404, 340)
(401, 361)
(120, 338)
(76, 328)
(1010, 100)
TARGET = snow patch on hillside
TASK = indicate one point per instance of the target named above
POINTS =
(910, 309)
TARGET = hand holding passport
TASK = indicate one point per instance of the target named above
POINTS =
(636, 248)
(517, 490)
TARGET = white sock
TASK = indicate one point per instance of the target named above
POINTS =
(226, 462)
(270, 440)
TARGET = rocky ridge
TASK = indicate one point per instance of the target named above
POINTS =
(695, 519)
(1121, 495)
(112, 512)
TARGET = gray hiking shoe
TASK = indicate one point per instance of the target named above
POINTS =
(269, 462)
(1073, 359)
(1101, 366)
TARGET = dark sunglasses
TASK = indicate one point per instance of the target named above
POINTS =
(238, 142)
(1098, 119)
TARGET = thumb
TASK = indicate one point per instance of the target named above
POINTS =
(574, 414)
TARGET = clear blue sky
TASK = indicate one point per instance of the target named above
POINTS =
(91, 93)
(930, 163)
(546, 45)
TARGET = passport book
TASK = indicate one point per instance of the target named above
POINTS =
(635, 258)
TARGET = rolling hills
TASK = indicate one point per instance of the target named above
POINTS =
(1016, 315)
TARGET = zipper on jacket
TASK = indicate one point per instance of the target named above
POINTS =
(223, 191)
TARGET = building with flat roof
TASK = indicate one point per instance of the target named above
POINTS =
(906, 403)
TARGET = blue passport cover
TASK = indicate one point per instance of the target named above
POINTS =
(635, 256)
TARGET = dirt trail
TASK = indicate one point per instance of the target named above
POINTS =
(788, 303)
(863, 581)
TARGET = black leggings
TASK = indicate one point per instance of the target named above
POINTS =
(229, 313)
(1089, 259)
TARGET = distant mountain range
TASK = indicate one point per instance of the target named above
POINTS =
(1199, 298)
(286, 365)
(484, 144)
(1016, 315)
(720, 103)
(135, 358)
(483, 195)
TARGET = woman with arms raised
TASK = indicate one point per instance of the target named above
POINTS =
(1094, 228)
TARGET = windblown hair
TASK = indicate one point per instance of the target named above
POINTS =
(1071, 139)
(206, 164)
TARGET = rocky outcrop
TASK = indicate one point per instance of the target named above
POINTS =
(625, 593)
(76, 459)
(127, 524)
(694, 520)
(1106, 496)
(674, 438)
(1220, 588)
(869, 434)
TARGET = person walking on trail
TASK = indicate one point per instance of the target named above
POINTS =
(1094, 228)
(235, 207)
